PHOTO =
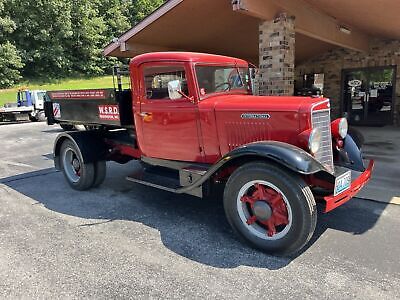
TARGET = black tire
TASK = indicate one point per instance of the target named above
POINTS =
(100, 170)
(67, 127)
(303, 211)
(41, 116)
(85, 178)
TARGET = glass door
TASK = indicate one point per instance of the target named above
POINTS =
(368, 95)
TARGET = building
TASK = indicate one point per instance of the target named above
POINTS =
(347, 50)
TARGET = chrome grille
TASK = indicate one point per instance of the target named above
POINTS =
(321, 119)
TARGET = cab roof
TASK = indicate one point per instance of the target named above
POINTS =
(186, 57)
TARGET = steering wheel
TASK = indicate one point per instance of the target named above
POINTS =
(222, 84)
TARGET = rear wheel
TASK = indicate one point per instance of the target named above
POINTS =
(79, 175)
(100, 172)
(270, 208)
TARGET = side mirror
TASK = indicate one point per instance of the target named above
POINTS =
(174, 89)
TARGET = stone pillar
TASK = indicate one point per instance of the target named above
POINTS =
(276, 50)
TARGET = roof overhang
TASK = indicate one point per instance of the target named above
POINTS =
(121, 42)
(310, 21)
(231, 27)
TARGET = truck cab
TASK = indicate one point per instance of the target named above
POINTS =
(215, 110)
(195, 125)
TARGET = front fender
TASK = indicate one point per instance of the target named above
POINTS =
(285, 154)
(350, 155)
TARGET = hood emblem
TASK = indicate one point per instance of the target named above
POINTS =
(255, 116)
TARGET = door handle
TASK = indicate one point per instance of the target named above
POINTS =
(144, 114)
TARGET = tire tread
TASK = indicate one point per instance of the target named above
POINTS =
(288, 179)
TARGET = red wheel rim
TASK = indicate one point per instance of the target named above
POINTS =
(276, 221)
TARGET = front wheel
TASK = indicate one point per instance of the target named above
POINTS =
(270, 208)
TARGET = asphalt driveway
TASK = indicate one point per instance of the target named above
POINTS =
(124, 240)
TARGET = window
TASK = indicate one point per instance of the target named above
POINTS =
(41, 95)
(216, 79)
(156, 80)
(310, 84)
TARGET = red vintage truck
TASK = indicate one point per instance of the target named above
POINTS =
(192, 121)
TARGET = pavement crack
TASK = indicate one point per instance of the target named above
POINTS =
(97, 223)
(27, 176)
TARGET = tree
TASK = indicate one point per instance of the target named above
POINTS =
(57, 38)
(84, 47)
(140, 9)
(10, 65)
(115, 15)
(42, 29)
(10, 60)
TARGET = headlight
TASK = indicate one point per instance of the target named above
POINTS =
(314, 141)
(343, 127)
(339, 128)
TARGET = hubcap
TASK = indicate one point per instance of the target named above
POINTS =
(76, 164)
(71, 165)
(264, 209)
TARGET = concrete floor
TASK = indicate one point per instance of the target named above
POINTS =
(124, 240)
(383, 145)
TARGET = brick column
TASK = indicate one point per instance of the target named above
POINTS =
(276, 50)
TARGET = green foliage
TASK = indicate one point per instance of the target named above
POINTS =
(58, 38)
(115, 14)
(142, 8)
(10, 64)
(7, 25)
(10, 60)
(43, 27)
(88, 36)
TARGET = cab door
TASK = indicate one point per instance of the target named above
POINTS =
(170, 128)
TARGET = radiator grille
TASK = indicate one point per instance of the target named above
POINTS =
(321, 119)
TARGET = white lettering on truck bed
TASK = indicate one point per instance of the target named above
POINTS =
(109, 112)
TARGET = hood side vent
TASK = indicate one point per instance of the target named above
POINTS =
(244, 132)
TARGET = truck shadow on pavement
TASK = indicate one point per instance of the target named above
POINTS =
(193, 228)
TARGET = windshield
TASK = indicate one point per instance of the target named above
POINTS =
(220, 79)
(41, 95)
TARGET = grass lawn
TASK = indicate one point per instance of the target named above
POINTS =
(9, 95)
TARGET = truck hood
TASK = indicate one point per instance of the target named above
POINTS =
(247, 103)
(243, 119)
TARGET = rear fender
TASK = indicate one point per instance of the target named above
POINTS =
(91, 146)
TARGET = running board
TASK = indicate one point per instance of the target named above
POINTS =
(163, 179)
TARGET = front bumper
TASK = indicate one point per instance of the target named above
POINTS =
(334, 201)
